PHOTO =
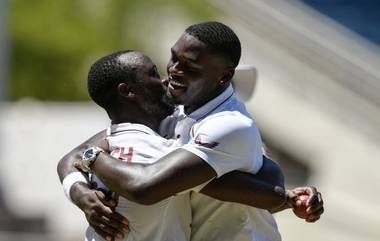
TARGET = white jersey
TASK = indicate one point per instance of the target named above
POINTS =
(224, 135)
(167, 220)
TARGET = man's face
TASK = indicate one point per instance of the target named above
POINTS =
(153, 94)
(194, 72)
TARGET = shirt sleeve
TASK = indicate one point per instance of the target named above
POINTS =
(227, 143)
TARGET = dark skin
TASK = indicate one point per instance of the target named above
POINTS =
(97, 208)
(139, 185)
(202, 74)
(199, 81)
(192, 65)
(148, 184)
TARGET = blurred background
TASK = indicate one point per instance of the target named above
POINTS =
(316, 101)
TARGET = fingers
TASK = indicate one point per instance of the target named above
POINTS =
(106, 231)
(316, 215)
(78, 165)
(315, 207)
(104, 235)
(312, 200)
(105, 198)
(118, 222)
(108, 198)
(111, 218)
(111, 204)
(103, 219)
(315, 203)
(100, 195)
(309, 191)
(304, 191)
(315, 211)
(119, 227)
(107, 226)
(119, 218)
(312, 219)
(100, 228)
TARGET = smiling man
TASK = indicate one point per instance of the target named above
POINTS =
(215, 136)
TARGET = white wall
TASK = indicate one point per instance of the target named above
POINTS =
(34, 136)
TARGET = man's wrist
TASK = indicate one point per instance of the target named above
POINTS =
(286, 205)
(70, 180)
(89, 157)
(289, 196)
(77, 191)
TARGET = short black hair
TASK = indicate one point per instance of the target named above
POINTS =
(104, 76)
(219, 37)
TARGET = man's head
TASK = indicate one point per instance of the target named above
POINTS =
(202, 63)
(127, 85)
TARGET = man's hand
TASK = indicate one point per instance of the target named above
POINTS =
(99, 213)
(309, 209)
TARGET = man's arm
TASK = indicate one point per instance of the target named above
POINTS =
(66, 164)
(211, 152)
(182, 170)
(263, 190)
(266, 190)
(97, 209)
(147, 184)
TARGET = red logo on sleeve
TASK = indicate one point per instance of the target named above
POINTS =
(202, 140)
(120, 154)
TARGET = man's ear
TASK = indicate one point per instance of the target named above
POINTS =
(228, 73)
(126, 90)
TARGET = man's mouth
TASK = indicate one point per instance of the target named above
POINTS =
(176, 88)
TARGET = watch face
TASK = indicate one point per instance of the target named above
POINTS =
(88, 154)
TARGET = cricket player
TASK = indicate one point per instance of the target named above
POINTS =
(132, 137)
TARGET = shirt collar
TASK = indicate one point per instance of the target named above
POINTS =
(209, 106)
(130, 127)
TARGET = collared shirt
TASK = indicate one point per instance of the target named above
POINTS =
(224, 135)
(221, 132)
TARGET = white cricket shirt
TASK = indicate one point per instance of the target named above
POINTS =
(167, 220)
(224, 135)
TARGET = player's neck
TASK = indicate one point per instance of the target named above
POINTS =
(137, 118)
(191, 108)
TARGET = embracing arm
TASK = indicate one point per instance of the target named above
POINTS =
(263, 190)
(211, 152)
(65, 165)
(182, 170)
(266, 190)
(147, 184)
(95, 205)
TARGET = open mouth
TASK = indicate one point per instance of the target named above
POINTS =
(176, 88)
